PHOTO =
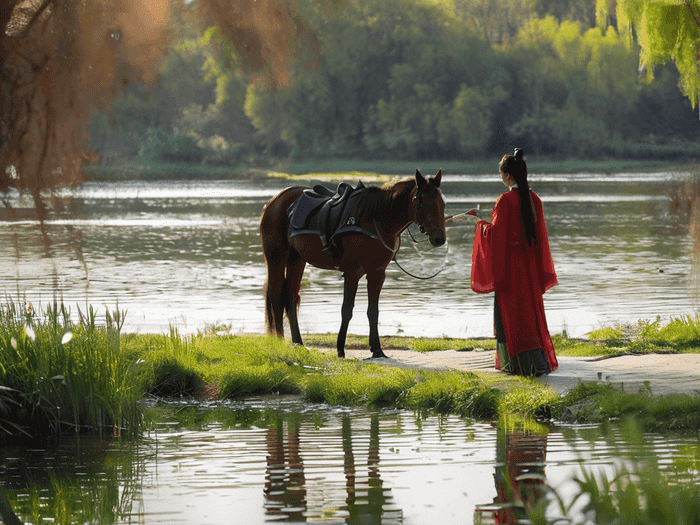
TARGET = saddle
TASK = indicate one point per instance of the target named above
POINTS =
(327, 213)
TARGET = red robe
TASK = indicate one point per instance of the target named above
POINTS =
(502, 261)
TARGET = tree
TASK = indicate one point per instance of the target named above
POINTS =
(60, 59)
(665, 30)
(497, 21)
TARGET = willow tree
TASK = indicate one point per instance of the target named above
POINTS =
(665, 30)
(668, 30)
(61, 59)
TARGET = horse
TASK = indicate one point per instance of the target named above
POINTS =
(383, 213)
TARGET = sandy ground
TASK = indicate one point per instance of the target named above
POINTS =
(665, 373)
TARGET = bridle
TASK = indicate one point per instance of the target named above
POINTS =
(419, 219)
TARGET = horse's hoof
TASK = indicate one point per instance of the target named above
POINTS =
(341, 354)
(377, 354)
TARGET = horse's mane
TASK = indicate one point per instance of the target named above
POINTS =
(393, 195)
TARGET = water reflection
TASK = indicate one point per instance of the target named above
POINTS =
(372, 508)
(519, 476)
(285, 481)
(285, 484)
(291, 462)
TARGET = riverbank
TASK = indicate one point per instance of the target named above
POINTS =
(353, 169)
(57, 375)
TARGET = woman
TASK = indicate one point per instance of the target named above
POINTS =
(511, 257)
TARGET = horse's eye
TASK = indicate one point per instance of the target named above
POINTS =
(115, 35)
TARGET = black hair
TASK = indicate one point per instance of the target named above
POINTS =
(515, 165)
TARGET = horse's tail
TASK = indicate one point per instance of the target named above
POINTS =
(275, 247)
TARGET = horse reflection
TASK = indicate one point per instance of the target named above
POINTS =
(519, 477)
(285, 482)
(372, 508)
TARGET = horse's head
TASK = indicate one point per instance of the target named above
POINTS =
(430, 208)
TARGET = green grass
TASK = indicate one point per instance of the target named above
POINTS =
(418, 344)
(238, 366)
(58, 374)
(354, 169)
(597, 403)
(406, 168)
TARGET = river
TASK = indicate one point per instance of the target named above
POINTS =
(186, 254)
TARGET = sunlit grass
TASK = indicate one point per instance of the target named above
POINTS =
(418, 344)
(57, 374)
(592, 402)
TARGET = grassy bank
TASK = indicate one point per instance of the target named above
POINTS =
(58, 375)
(354, 169)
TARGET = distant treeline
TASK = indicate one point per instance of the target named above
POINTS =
(409, 79)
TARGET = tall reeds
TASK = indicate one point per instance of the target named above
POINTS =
(59, 375)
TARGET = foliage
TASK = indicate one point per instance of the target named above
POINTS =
(666, 30)
(58, 375)
(161, 146)
(639, 493)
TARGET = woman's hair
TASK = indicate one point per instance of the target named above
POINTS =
(515, 165)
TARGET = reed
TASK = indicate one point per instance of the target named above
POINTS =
(57, 374)
(638, 494)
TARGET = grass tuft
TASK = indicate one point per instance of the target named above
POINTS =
(57, 374)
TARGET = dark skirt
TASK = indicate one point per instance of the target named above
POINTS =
(529, 363)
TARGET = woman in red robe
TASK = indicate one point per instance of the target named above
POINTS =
(511, 257)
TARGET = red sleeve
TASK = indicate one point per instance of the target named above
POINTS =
(488, 255)
(548, 276)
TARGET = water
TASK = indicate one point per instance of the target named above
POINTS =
(280, 460)
(187, 254)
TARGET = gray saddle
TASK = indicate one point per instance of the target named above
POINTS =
(321, 211)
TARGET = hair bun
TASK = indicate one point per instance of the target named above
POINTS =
(519, 154)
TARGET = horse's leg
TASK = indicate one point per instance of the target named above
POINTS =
(274, 308)
(295, 271)
(349, 293)
(375, 281)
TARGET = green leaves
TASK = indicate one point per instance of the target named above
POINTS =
(666, 30)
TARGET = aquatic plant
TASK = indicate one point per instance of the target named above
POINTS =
(639, 493)
(57, 374)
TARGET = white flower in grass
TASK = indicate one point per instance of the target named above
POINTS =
(30, 332)
(66, 337)
(13, 342)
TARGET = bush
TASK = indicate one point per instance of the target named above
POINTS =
(167, 147)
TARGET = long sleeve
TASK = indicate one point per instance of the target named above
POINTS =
(488, 255)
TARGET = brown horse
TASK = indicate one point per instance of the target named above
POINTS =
(387, 211)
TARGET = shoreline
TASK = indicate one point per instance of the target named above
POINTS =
(353, 168)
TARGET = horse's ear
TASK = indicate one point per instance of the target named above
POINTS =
(420, 180)
(435, 181)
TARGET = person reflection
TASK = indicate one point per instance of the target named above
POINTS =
(373, 509)
(285, 484)
(519, 477)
